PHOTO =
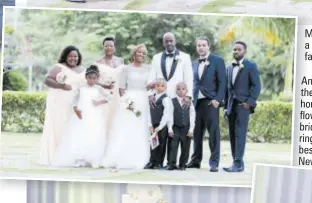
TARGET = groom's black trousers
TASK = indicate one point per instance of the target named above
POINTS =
(238, 126)
(158, 154)
(207, 117)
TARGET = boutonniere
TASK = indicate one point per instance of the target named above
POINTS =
(240, 65)
(207, 63)
(177, 58)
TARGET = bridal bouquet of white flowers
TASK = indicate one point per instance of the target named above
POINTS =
(110, 82)
(61, 78)
(130, 105)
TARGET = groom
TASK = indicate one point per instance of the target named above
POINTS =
(174, 66)
(243, 89)
(209, 89)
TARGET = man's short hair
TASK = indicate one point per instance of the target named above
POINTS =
(242, 43)
(204, 38)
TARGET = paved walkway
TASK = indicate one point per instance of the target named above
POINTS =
(19, 154)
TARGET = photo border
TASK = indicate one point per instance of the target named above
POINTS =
(155, 12)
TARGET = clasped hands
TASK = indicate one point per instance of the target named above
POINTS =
(189, 134)
(186, 101)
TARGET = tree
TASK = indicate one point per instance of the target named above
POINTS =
(270, 40)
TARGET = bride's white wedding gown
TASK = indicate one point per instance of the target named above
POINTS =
(84, 139)
(128, 146)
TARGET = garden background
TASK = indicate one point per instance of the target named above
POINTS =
(34, 39)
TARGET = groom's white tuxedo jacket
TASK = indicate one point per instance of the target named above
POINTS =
(181, 72)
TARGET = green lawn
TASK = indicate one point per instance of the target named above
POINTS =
(135, 4)
(217, 5)
(61, 4)
(19, 155)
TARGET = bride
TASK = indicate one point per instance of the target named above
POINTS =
(128, 145)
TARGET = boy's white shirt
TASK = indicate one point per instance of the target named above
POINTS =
(183, 73)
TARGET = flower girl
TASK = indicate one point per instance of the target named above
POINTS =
(84, 140)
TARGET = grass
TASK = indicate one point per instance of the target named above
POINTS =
(19, 149)
(61, 4)
(43, 171)
(217, 5)
(135, 4)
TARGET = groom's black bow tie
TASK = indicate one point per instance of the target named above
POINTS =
(169, 55)
(201, 60)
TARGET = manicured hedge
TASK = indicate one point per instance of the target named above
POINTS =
(24, 112)
(271, 122)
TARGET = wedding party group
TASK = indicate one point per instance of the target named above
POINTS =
(113, 115)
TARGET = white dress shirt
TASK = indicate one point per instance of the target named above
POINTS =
(201, 67)
(235, 71)
(167, 115)
(192, 116)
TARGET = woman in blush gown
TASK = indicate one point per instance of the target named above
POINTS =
(128, 144)
(62, 81)
(110, 69)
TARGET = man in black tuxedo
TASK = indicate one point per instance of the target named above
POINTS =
(243, 89)
(208, 93)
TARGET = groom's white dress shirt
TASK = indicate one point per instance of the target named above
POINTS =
(183, 73)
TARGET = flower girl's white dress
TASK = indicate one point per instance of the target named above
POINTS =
(128, 141)
(84, 140)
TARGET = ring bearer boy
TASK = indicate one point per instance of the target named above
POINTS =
(159, 120)
(182, 129)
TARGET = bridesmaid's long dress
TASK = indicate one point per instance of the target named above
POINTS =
(107, 73)
(59, 108)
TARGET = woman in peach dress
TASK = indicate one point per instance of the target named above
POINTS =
(62, 80)
(110, 67)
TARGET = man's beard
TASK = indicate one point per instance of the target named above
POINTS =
(238, 58)
(171, 49)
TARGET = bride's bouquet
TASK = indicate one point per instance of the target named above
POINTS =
(110, 81)
(130, 105)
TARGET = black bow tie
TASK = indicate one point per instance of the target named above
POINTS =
(235, 64)
(202, 60)
(169, 55)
